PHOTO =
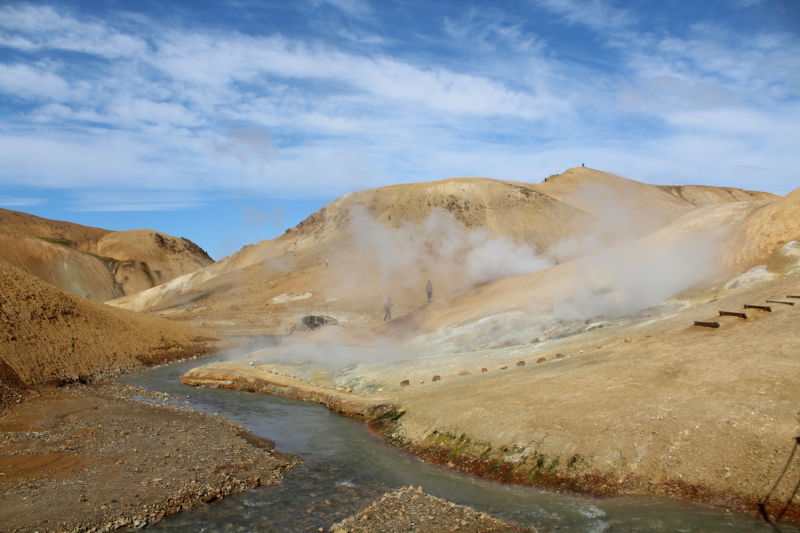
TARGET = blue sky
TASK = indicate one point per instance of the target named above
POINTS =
(226, 122)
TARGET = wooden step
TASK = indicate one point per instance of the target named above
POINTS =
(706, 324)
(733, 313)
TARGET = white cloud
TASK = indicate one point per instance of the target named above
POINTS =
(159, 116)
(488, 31)
(46, 28)
(595, 14)
(358, 9)
(32, 82)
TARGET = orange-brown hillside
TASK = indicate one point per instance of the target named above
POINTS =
(95, 263)
(50, 336)
(389, 241)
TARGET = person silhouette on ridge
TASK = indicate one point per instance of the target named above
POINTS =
(429, 290)
(388, 306)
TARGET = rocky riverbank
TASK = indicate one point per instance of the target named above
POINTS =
(98, 458)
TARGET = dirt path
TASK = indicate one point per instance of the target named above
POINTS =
(94, 459)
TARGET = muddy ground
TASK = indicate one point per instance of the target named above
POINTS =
(93, 458)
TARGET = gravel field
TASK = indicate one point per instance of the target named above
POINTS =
(410, 509)
(103, 457)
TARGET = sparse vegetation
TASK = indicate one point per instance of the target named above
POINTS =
(110, 260)
(65, 242)
(147, 272)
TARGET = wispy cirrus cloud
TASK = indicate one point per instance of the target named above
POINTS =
(360, 9)
(15, 201)
(119, 100)
(29, 27)
(31, 82)
(594, 14)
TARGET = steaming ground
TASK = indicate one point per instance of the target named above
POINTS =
(388, 242)
(585, 371)
(637, 405)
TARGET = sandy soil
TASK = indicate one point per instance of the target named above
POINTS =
(95, 263)
(410, 509)
(765, 231)
(92, 458)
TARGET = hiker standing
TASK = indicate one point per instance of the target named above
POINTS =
(429, 290)
(388, 306)
(326, 263)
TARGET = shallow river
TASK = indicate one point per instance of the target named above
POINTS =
(347, 467)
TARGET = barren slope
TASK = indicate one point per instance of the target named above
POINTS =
(389, 241)
(50, 336)
(95, 263)
(767, 230)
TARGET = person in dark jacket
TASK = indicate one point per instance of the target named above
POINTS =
(388, 306)
(429, 290)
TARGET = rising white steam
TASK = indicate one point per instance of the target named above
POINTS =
(329, 349)
(621, 279)
(619, 282)
(444, 246)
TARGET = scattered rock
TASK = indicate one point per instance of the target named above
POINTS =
(405, 383)
(560, 356)
(484, 370)
(464, 373)
(541, 360)
(436, 378)
(410, 509)
(520, 363)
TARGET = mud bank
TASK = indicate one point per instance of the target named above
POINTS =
(455, 449)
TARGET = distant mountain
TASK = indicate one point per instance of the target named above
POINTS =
(387, 242)
(95, 263)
